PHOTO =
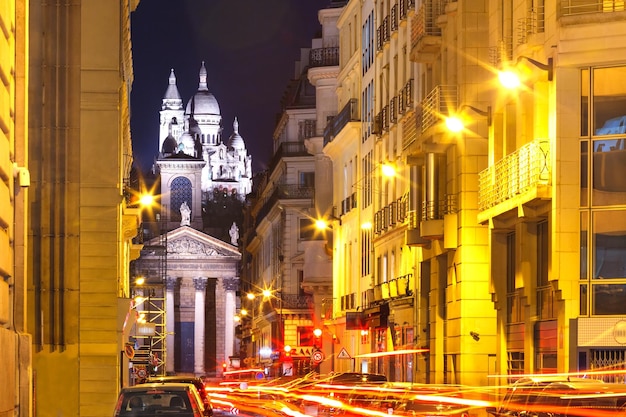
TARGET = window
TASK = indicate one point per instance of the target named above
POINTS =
(180, 193)
(366, 195)
(609, 100)
(366, 247)
(545, 294)
(603, 191)
(368, 43)
(514, 303)
(515, 363)
(307, 179)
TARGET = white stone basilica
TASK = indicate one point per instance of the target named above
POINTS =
(192, 269)
(190, 142)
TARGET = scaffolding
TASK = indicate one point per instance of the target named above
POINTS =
(151, 330)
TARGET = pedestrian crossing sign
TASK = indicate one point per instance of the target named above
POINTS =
(343, 354)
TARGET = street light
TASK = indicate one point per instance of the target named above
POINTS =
(455, 122)
(325, 222)
(510, 77)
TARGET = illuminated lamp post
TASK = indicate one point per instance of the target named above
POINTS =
(456, 123)
(510, 77)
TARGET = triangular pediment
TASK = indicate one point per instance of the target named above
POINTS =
(188, 243)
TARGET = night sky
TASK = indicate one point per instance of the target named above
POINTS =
(249, 48)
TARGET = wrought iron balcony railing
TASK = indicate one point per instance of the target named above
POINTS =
(284, 191)
(287, 149)
(349, 113)
(324, 57)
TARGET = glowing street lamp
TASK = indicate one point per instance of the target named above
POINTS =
(455, 123)
(388, 170)
(510, 77)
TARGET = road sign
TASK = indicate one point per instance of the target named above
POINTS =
(317, 357)
(343, 354)
(129, 351)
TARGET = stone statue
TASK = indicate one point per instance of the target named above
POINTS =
(234, 234)
(185, 214)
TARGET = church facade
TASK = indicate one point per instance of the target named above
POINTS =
(190, 262)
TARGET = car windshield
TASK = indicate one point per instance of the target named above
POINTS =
(155, 401)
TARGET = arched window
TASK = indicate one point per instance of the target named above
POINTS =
(180, 192)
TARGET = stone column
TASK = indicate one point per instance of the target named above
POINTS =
(230, 309)
(198, 327)
(170, 286)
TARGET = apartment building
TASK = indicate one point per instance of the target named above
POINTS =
(287, 278)
(489, 251)
(15, 342)
(80, 226)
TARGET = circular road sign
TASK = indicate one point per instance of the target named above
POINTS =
(317, 357)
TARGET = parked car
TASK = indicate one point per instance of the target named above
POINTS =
(196, 381)
(334, 391)
(433, 400)
(569, 399)
(157, 399)
(522, 395)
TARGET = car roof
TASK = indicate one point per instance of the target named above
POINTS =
(171, 386)
(546, 379)
(171, 378)
(591, 385)
(355, 377)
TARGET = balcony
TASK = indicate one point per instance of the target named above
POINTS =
(442, 100)
(286, 150)
(411, 125)
(349, 113)
(279, 303)
(348, 204)
(296, 301)
(405, 7)
(284, 192)
(519, 178)
(391, 215)
(425, 34)
(405, 97)
(307, 129)
(383, 34)
(580, 7)
(532, 24)
(394, 288)
(324, 57)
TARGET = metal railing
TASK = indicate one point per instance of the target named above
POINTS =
(578, 7)
(324, 57)
(287, 149)
(285, 191)
(436, 209)
(527, 167)
(307, 129)
(533, 23)
(439, 102)
(349, 113)
(424, 22)
(394, 288)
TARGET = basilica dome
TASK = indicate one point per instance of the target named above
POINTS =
(236, 141)
(203, 102)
